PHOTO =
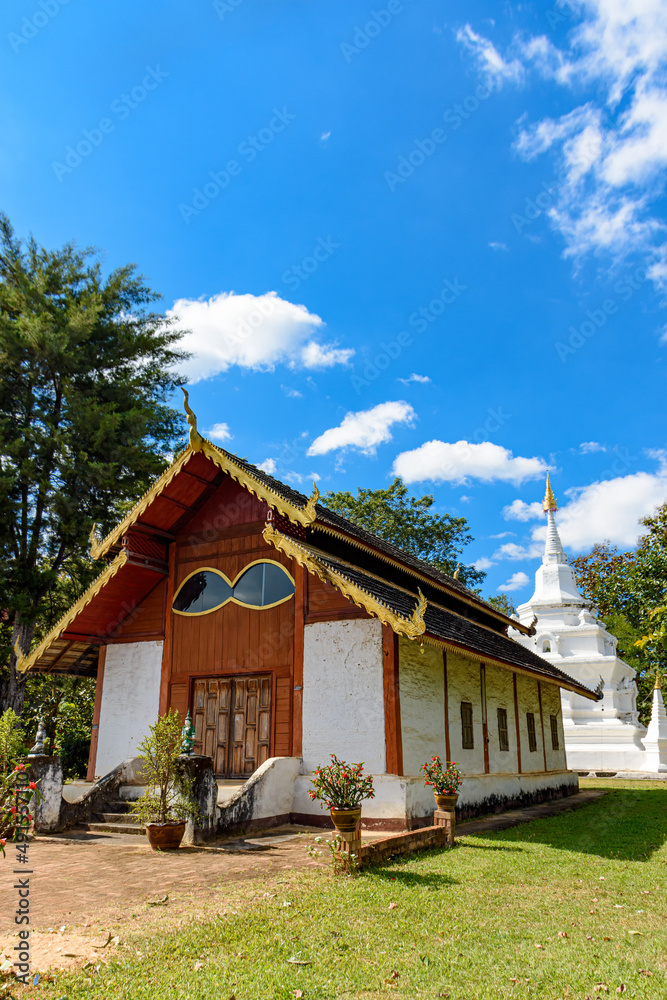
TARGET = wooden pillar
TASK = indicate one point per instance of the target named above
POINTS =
(448, 749)
(392, 702)
(95, 733)
(544, 746)
(518, 727)
(165, 676)
(300, 605)
(485, 721)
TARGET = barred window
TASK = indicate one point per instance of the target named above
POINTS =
(555, 744)
(532, 738)
(503, 737)
(467, 735)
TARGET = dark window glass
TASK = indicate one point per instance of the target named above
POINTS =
(467, 736)
(264, 583)
(555, 744)
(503, 737)
(202, 592)
(532, 738)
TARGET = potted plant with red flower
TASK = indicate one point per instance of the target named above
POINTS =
(342, 787)
(445, 781)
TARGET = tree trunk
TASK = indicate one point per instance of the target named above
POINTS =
(13, 688)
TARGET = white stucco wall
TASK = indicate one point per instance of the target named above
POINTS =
(500, 694)
(130, 700)
(463, 684)
(422, 688)
(551, 705)
(343, 694)
(528, 702)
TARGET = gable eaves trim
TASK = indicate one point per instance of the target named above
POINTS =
(411, 628)
(411, 571)
(24, 663)
(298, 515)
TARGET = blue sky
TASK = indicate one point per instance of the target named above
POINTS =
(408, 237)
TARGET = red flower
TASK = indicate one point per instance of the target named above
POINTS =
(33, 785)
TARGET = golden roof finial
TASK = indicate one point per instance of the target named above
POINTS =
(549, 502)
(457, 571)
(196, 440)
(658, 685)
(309, 510)
(95, 542)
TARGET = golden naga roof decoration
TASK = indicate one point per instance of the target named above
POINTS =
(24, 663)
(196, 440)
(412, 628)
(309, 509)
(549, 502)
(95, 542)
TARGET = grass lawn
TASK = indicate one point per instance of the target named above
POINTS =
(572, 906)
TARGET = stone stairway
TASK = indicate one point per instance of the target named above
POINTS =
(116, 819)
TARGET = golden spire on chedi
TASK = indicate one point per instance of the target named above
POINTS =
(549, 502)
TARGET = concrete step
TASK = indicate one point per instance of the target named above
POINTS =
(114, 828)
(119, 817)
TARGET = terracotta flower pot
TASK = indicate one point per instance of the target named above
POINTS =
(165, 836)
(345, 820)
(446, 800)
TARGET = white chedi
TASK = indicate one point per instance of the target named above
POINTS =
(599, 736)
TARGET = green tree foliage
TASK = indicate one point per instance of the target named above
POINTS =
(86, 372)
(503, 602)
(408, 522)
(627, 588)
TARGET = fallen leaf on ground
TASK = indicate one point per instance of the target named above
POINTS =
(636, 933)
(392, 906)
(158, 902)
(645, 972)
(298, 993)
(622, 988)
(198, 966)
(562, 933)
(298, 961)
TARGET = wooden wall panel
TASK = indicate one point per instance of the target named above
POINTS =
(232, 641)
(282, 717)
(147, 619)
(325, 603)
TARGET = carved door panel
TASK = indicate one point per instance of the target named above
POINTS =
(232, 718)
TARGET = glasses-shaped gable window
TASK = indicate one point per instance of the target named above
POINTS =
(261, 585)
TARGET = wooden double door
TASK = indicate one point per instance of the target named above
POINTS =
(232, 717)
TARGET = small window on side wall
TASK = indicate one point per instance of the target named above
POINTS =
(532, 738)
(503, 736)
(555, 743)
(467, 735)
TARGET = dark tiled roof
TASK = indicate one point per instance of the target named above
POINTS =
(446, 626)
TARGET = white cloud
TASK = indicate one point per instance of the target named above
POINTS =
(364, 430)
(483, 564)
(498, 246)
(269, 466)
(465, 499)
(219, 432)
(515, 552)
(590, 447)
(314, 355)
(519, 510)
(515, 582)
(291, 393)
(611, 151)
(299, 478)
(252, 331)
(423, 379)
(610, 509)
(492, 65)
(442, 461)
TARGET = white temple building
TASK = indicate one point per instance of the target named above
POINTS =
(603, 736)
